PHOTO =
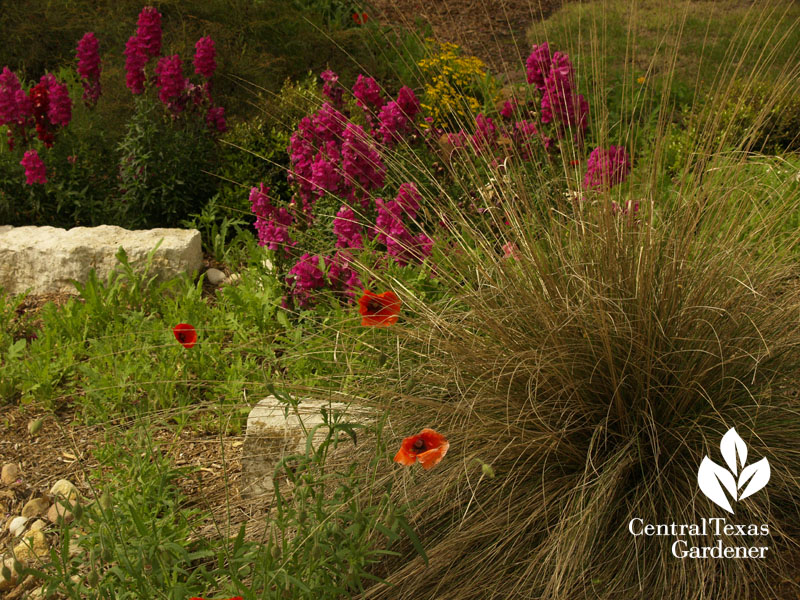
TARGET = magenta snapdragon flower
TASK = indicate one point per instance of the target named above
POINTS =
(135, 60)
(330, 90)
(342, 276)
(607, 168)
(59, 104)
(408, 199)
(538, 65)
(305, 277)
(215, 119)
(347, 229)
(35, 171)
(169, 79)
(361, 162)
(367, 93)
(149, 31)
(88, 54)
(204, 63)
(9, 86)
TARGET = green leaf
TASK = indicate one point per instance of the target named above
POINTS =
(414, 539)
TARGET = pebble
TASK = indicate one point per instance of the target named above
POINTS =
(35, 507)
(58, 511)
(64, 489)
(38, 525)
(10, 474)
(16, 526)
(233, 278)
(32, 547)
(215, 276)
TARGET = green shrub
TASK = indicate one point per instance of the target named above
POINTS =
(165, 167)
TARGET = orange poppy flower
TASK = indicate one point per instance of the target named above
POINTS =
(427, 447)
(379, 310)
(185, 334)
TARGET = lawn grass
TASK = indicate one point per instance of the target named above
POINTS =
(639, 39)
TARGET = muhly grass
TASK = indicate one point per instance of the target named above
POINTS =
(579, 355)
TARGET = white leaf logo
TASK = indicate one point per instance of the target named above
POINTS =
(714, 480)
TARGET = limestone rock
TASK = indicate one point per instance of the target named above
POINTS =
(215, 276)
(32, 547)
(45, 259)
(16, 526)
(10, 472)
(63, 488)
(38, 525)
(35, 507)
(58, 511)
(271, 435)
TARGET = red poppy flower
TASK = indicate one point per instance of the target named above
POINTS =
(234, 598)
(379, 310)
(427, 447)
(360, 19)
(185, 334)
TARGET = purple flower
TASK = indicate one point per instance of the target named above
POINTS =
(149, 31)
(508, 109)
(485, 136)
(59, 107)
(272, 224)
(524, 136)
(204, 54)
(607, 168)
(347, 229)
(305, 277)
(408, 199)
(135, 60)
(342, 276)
(9, 86)
(88, 54)
(331, 91)
(169, 79)
(361, 162)
(215, 119)
(35, 171)
(408, 102)
(367, 93)
(538, 65)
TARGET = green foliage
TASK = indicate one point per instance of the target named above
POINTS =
(165, 167)
(758, 116)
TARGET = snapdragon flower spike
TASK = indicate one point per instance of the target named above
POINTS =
(59, 104)
(367, 93)
(607, 168)
(204, 63)
(215, 119)
(347, 229)
(35, 171)
(342, 276)
(185, 334)
(135, 60)
(304, 278)
(149, 31)
(88, 54)
(170, 80)
(330, 90)
(9, 86)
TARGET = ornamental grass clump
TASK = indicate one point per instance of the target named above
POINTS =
(591, 364)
